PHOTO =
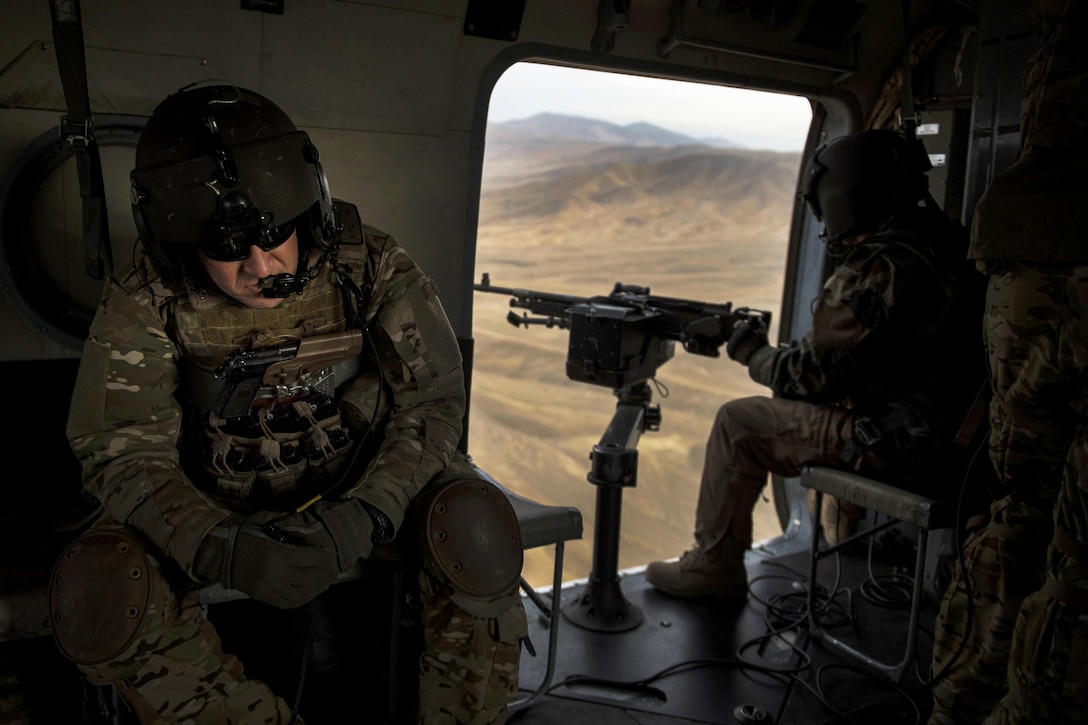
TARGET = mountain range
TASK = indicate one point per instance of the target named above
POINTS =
(560, 127)
(552, 164)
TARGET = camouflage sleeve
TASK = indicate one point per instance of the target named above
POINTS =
(853, 308)
(124, 424)
(421, 364)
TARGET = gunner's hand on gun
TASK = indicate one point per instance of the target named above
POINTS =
(749, 334)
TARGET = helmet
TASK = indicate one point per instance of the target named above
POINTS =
(856, 183)
(222, 167)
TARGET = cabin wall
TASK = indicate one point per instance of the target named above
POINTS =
(394, 94)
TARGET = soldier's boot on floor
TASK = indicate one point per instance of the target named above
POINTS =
(839, 519)
(719, 572)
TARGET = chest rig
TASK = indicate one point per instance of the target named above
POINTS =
(263, 389)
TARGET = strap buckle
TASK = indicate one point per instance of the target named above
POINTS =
(77, 135)
(867, 432)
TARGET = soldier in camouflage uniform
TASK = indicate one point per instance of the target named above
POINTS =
(1015, 648)
(881, 382)
(224, 455)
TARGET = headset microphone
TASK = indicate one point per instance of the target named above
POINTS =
(282, 285)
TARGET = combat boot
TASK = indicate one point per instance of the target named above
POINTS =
(718, 572)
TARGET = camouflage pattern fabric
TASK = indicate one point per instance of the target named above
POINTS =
(1021, 645)
(176, 671)
(1047, 678)
(896, 322)
(133, 428)
(470, 664)
(1023, 657)
(1048, 663)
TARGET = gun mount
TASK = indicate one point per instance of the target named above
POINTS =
(620, 340)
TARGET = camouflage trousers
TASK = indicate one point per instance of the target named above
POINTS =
(1011, 637)
(175, 669)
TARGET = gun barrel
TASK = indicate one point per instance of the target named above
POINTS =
(527, 297)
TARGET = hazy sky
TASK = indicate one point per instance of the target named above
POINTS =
(753, 119)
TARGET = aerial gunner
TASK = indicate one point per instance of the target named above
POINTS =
(270, 391)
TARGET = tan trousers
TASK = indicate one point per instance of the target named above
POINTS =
(750, 438)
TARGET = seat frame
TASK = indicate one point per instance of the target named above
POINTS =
(925, 514)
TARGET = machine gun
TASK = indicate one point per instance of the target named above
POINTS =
(620, 339)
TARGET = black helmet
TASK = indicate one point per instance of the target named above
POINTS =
(856, 183)
(222, 167)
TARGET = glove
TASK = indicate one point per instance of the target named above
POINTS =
(749, 335)
(345, 527)
(282, 566)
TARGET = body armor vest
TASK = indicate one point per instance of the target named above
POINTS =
(288, 443)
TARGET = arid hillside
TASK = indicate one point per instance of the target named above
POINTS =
(575, 216)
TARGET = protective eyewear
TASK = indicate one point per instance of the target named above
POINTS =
(235, 247)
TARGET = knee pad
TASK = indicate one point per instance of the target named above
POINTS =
(472, 541)
(99, 595)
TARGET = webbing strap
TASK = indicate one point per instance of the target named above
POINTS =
(77, 130)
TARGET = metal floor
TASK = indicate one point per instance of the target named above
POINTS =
(705, 661)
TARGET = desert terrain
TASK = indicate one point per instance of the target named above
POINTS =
(564, 211)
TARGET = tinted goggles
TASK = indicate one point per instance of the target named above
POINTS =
(234, 247)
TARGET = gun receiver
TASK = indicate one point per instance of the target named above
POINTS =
(285, 367)
(622, 338)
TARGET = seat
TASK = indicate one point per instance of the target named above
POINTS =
(897, 504)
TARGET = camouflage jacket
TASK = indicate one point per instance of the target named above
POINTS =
(895, 321)
(131, 417)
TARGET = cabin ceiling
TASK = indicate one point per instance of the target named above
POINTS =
(314, 52)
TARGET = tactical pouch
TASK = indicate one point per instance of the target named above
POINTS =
(270, 454)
